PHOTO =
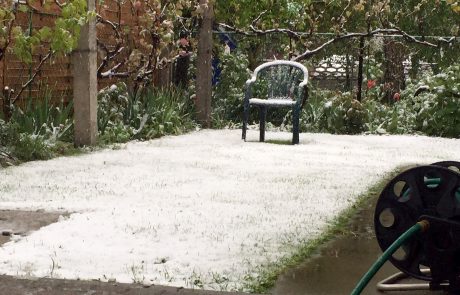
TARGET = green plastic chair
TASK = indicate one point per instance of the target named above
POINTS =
(279, 84)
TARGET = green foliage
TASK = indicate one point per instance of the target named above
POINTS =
(38, 132)
(229, 92)
(346, 115)
(30, 147)
(434, 111)
(148, 114)
(437, 111)
(62, 37)
(43, 130)
(43, 118)
(333, 112)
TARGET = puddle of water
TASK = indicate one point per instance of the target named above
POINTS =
(17, 222)
(341, 264)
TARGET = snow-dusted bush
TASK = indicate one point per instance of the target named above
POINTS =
(430, 106)
(123, 115)
(38, 131)
(333, 112)
(436, 103)
(229, 90)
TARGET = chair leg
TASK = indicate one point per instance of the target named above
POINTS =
(263, 117)
(295, 126)
(245, 122)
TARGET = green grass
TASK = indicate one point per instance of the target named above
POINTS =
(267, 275)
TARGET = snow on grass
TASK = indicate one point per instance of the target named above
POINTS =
(202, 209)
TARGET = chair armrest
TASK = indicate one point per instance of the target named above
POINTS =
(304, 83)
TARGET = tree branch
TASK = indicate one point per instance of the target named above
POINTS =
(31, 80)
(395, 31)
(308, 53)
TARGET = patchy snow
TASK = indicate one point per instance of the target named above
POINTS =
(203, 208)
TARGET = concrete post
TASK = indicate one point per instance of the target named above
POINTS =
(204, 67)
(84, 63)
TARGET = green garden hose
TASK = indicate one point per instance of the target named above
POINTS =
(420, 226)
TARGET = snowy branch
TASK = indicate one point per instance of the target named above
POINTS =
(395, 31)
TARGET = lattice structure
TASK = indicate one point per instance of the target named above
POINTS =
(335, 72)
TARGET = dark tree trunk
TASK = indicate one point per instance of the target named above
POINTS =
(7, 105)
(394, 78)
(359, 95)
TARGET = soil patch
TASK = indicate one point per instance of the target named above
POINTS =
(13, 286)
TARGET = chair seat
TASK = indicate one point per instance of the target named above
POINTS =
(272, 102)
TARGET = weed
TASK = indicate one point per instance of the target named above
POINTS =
(137, 273)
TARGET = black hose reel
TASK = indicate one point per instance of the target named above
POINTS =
(429, 193)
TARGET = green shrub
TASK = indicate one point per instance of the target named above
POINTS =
(151, 113)
(31, 147)
(36, 132)
(229, 91)
(434, 111)
(332, 112)
(430, 107)
(41, 117)
(343, 115)
(437, 110)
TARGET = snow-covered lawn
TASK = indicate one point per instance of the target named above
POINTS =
(199, 208)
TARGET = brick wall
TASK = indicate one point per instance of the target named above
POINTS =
(56, 74)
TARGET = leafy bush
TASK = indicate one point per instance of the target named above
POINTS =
(398, 118)
(44, 118)
(42, 130)
(343, 115)
(36, 133)
(430, 107)
(229, 91)
(151, 113)
(333, 112)
(437, 110)
(30, 147)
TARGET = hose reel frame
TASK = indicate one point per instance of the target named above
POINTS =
(430, 193)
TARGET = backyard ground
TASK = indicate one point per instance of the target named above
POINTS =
(202, 210)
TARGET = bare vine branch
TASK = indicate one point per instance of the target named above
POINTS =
(32, 78)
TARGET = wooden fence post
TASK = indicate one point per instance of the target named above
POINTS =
(84, 63)
(204, 66)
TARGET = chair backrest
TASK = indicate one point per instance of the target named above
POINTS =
(281, 79)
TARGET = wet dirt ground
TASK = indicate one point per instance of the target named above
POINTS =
(23, 222)
(340, 264)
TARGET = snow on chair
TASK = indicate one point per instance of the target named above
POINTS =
(277, 84)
